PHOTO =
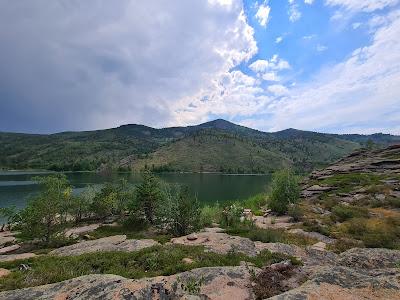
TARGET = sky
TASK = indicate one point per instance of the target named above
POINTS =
(323, 65)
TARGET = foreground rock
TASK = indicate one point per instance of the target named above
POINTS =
(204, 283)
(111, 243)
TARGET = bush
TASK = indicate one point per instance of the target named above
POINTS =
(285, 190)
(231, 215)
(179, 213)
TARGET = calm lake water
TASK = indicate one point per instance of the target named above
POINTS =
(16, 188)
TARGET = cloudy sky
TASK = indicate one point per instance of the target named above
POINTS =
(322, 65)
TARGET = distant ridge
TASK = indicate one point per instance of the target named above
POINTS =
(214, 146)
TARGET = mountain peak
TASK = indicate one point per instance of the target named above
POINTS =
(219, 124)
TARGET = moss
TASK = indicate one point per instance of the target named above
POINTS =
(150, 262)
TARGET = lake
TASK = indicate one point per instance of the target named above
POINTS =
(17, 187)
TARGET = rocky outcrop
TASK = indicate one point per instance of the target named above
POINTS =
(111, 243)
(204, 283)
(338, 283)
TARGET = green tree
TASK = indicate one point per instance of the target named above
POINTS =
(147, 196)
(284, 191)
(45, 216)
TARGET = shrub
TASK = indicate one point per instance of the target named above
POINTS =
(284, 191)
(179, 213)
(295, 212)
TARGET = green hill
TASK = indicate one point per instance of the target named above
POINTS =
(175, 148)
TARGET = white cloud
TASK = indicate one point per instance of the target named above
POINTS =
(309, 1)
(275, 63)
(362, 5)
(321, 48)
(279, 39)
(262, 14)
(278, 90)
(294, 13)
(356, 25)
(270, 76)
(360, 94)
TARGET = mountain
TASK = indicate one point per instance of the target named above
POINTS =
(217, 145)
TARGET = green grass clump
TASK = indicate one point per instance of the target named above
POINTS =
(150, 262)
(346, 182)
(343, 213)
(255, 203)
(374, 233)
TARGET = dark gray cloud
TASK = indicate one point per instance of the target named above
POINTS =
(71, 65)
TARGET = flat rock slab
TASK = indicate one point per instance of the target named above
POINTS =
(111, 243)
(9, 248)
(12, 257)
(313, 235)
(369, 259)
(218, 242)
(278, 222)
(75, 231)
(338, 283)
(216, 283)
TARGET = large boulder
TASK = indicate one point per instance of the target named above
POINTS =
(203, 283)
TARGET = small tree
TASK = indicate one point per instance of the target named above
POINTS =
(147, 197)
(105, 202)
(10, 214)
(45, 215)
(179, 212)
(80, 205)
(284, 191)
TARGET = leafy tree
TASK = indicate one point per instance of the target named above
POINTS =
(284, 191)
(179, 212)
(45, 215)
(147, 196)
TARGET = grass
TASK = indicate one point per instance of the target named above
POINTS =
(150, 262)
(269, 235)
(346, 182)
